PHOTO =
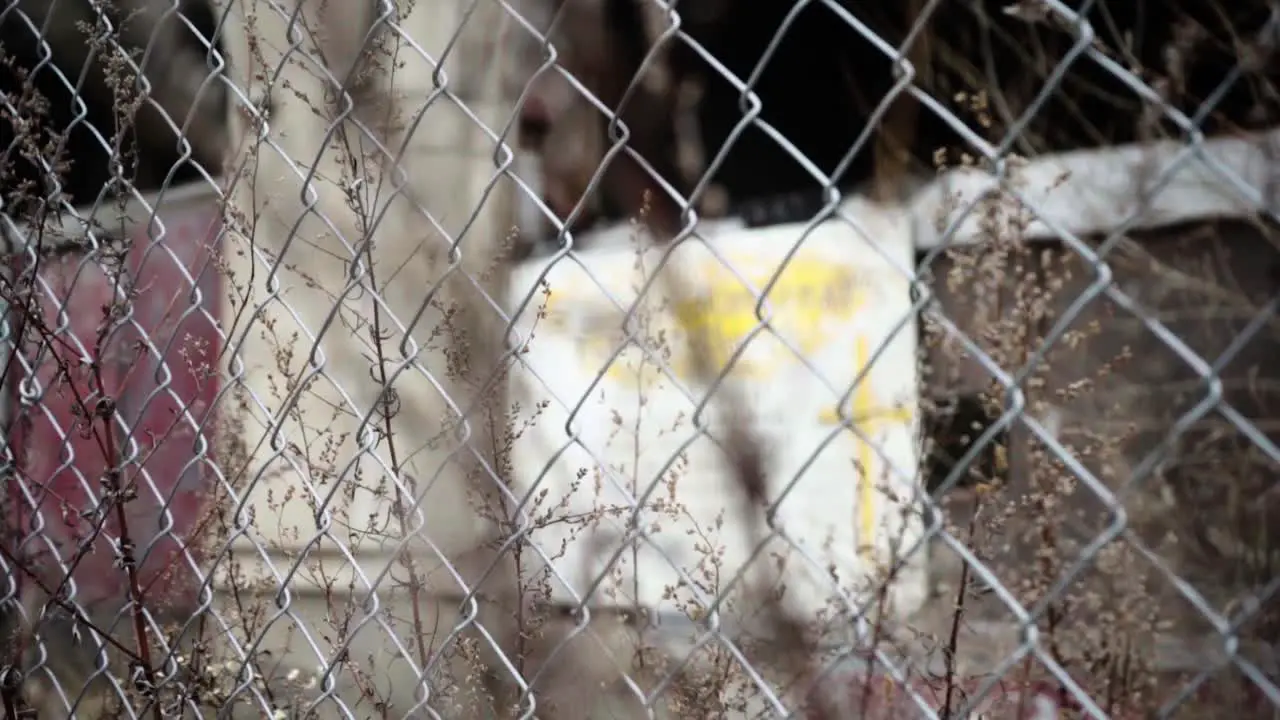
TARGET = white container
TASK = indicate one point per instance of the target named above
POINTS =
(598, 432)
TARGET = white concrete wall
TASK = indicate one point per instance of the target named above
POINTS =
(449, 161)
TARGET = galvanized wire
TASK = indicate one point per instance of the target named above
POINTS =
(304, 438)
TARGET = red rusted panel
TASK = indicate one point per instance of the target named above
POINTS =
(160, 368)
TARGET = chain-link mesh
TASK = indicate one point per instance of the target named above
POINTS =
(600, 358)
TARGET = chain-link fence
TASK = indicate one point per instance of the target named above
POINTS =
(616, 358)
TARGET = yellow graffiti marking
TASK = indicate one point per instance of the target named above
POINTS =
(807, 296)
(810, 295)
(867, 416)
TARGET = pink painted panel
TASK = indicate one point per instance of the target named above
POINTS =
(160, 367)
